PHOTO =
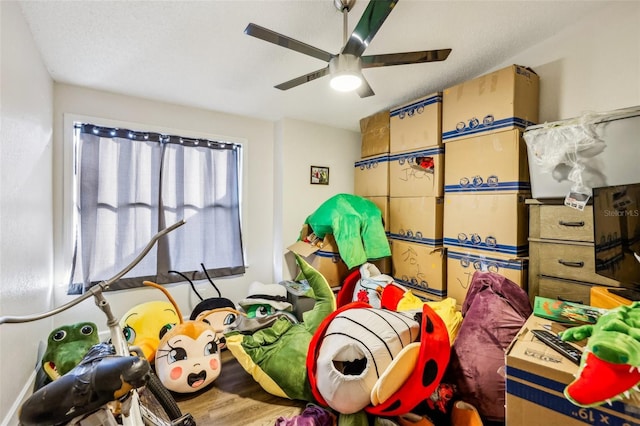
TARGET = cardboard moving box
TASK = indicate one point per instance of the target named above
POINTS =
(416, 219)
(536, 378)
(371, 177)
(496, 162)
(416, 125)
(375, 134)
(501, 100)
(323, 256)
(489, 222)
(417, 173)
(419, 266)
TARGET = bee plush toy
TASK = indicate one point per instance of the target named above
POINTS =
(188, 356)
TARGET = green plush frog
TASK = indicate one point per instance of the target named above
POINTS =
(66, 347)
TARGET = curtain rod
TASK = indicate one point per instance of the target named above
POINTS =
(115, 132)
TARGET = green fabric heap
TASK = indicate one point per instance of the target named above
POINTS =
(356, 224)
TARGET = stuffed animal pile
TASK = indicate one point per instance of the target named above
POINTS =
(376, 350)
(354, 358)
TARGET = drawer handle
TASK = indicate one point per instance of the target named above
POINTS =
(571, 264)
(574, 224)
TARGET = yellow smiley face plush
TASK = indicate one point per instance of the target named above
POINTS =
(145, 324)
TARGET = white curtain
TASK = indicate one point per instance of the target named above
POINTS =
(130, 185)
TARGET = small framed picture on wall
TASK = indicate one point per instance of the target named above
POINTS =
(319, 175)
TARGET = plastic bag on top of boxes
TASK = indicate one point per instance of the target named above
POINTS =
(568, 150)
(561, 150)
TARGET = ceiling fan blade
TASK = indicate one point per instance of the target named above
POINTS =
(284, 41)
(373, 61)
(303, 79)
(372, 19)
(364, 91)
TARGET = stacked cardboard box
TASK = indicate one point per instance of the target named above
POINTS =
(372, 170)
(416, 173)
(371, 175)
(374, 131)
(486, 179)
(536, 377)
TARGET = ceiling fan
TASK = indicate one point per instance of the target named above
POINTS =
(346, 67)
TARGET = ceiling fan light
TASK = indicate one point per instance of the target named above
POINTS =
(345, 73)
(345, 82)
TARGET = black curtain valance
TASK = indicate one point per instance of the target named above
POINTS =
(115, 132)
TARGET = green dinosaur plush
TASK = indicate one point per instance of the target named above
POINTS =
(356, 224)
(610, 361)
(66, 347)
(276, 356)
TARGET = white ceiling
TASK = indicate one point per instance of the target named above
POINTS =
(195, 53)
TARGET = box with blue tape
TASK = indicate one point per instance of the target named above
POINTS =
(536, 377)
(500, 100)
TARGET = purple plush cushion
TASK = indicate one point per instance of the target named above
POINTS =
(313, 415)
(494, 310)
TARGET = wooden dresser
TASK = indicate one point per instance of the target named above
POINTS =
(561, 257)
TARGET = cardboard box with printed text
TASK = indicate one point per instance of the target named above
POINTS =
(375, 134)
(419, 266)
(417, 125)
(416, 219)
(504, 99)
(371, 177)
(495, 162)
(417, 173)
(492, 223)
(383, 265)
(536, 377)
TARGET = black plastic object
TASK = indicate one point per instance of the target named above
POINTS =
(557, 344)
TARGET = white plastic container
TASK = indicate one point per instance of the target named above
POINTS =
(597, 149)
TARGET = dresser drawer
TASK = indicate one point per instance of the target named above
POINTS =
(569, 261)
(569, 291)
(559, 222)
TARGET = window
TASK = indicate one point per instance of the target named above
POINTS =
(129, 185)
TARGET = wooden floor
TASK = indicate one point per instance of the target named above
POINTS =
(235, 399)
